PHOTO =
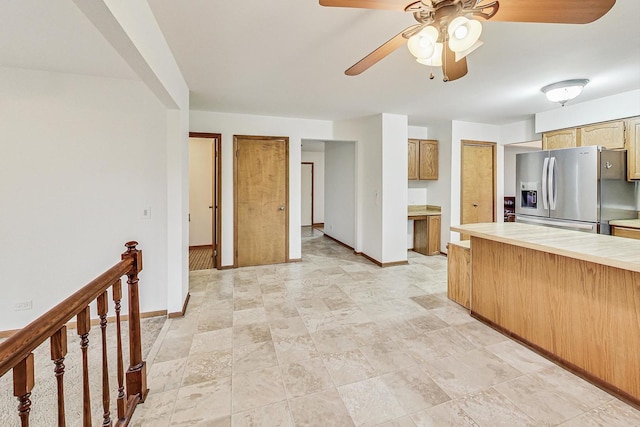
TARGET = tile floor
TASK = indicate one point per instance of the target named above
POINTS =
(337, 341)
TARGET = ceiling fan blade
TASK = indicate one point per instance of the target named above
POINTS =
(451, 69)
(551, 11)
(368, 4)
(377, 54)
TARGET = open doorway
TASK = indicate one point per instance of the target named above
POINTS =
(205, 174)
(510, 152)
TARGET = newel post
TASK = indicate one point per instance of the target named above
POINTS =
(137, 372)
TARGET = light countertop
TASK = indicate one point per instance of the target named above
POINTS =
(415, 211)
(630, 223)
(596, 248)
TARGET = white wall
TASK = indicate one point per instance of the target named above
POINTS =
(476, 132)
(200, 191)
(318, 183)
(242, 124)
(81, 158)
(341, 194)
(394, 188)
(612, 107)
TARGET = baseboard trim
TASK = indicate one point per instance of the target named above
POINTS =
(318, 224)
(339, 242)
(110, 319)
(295, 260)
(226, 267)
(184, 308)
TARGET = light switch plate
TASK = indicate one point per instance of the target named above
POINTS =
(146, 213)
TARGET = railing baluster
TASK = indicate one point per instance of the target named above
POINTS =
(58, 353)
(84, 326)
(117, 297)
(103, 308)
(23, 381)
(137, 372)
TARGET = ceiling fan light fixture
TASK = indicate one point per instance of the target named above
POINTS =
(564, 91)
(423, 44)
(436, 59)
(464, 53)
(463, 33)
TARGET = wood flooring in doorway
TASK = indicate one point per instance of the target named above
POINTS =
(200, 258)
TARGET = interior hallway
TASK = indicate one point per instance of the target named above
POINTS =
(337, 341)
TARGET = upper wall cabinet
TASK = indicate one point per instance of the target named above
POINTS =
(632, 144)
(564, 138)
(423, 159)
(609, 135)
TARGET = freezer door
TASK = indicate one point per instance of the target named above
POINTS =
(573, 184)
(531, 183)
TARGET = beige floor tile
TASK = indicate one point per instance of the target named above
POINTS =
(519, 356)
(429, 301)
(204, 367)
(305, 377)
(276, 415)
(205, 342)
(470, 372)
(257, 388)
(320, 410)
(250, 315)
(414, 389)
(387, 358)
(348, 367)
(452, 314)
(214, 321)
(491, 409)
(293, 349)
(174, 347)
(163, 376)
(333, 341)
(370, 402)
(481, 335)
(612, 414)
(369, 334)
(251, 334)
(203, 403)
(287, 327)
(252, 357)
(156, 410)
(405, 421)
(427, 323)
(448, 414)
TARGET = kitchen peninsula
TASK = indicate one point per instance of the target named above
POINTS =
(572, 296)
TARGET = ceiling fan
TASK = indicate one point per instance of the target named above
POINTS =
(447, 32)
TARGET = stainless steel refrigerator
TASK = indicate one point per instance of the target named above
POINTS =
(580, 188)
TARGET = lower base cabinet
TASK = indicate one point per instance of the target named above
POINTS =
(632, 233)
(426, 234)
(458, 273)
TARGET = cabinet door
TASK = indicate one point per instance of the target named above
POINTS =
(414, 158)
(428, 159)
(458, 274)
(633, 148)
(564, 138)
(608, 135)
(434, 234)
(632, 233)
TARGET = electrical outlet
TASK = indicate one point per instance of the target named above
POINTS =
(23, 305)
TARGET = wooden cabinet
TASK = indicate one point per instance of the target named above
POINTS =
(632, 233)
(609, 135)
(426, 234)
(458, 273)
(423, 159)
(564, 138)
(632, 144)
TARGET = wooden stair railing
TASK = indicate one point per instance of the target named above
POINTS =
(17, 351)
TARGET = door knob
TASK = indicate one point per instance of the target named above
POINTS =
(281, 208)
(475, 205)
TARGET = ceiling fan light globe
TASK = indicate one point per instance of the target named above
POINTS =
(434, 60)
(463, 33)
(422, 44)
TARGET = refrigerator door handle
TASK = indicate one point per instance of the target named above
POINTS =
(545, 172)
(553, 187)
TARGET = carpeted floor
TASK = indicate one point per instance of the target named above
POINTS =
(200, 258)
(44, 395)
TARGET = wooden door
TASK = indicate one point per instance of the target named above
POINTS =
(306, 199)
(261, 196)
(414, 159)
(478, 182)
(428, 159)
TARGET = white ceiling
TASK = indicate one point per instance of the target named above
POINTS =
(55, 36)
(287, 58)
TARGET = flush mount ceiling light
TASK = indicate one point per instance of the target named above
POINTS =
(449, 30)
(564, 91)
